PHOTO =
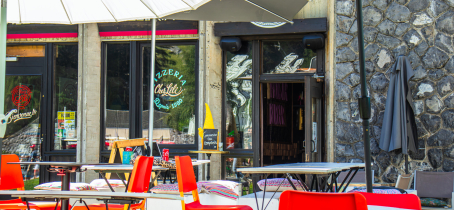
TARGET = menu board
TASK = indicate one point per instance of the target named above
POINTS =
(210, 139)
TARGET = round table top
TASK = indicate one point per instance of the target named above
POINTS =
(209, 151)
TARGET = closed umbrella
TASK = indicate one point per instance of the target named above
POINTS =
(399, 125)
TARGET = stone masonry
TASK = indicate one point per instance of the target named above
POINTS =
(423, 31)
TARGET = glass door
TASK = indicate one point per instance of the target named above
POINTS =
(24, 103)
(41, 95)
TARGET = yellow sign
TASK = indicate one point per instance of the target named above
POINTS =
(66, 115)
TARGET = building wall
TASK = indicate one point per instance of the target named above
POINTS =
(313, 9)
(423, 31)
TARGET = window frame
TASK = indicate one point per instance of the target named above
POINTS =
(136, 93)
(259, 77)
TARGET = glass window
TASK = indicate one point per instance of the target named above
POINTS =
(281, 57)
(117, 92)
(65, 96)
(175, 94)
(23, 130)
(239, 98)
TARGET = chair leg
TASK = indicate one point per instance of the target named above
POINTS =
(56, 205)
(85, 203)
(28, 204)
(107, 204)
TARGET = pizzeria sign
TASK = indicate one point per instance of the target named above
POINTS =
(172, 87)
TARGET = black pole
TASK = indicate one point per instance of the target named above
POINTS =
(364, 101)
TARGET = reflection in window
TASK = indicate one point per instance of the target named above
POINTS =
(280, 57)
(65, 96)
(117, 93)
(239, 98)
(174, 102)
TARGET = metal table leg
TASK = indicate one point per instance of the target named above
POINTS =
(107, 181)
(65, 181)
(208, 165)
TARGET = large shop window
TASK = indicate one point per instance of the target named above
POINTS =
(117, 92)
(238, 105)
(175, 94)
(65, 96)
(127, 93)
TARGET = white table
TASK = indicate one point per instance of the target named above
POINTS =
(329, 171)
(317, 168)
(66, 195)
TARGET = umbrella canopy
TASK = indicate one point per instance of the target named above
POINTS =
(96, 11)
(399, 125)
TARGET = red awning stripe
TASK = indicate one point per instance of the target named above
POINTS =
(148, 33)
(43, 35)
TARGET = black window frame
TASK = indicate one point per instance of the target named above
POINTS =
(136, 93)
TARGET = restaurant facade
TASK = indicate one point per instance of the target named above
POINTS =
(278, 92)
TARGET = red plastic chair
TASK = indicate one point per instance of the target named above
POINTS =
(298, 200)
(187, 183)
(139, 183)
(403, 201)
(11, 176)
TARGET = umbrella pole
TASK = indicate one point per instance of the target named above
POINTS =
(151, 108)
(3, 25)
(364, 101)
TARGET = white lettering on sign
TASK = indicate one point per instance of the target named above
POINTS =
(210, 143)
(20, 116)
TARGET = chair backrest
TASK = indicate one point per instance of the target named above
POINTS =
(141, 175)
(11, 174)
(185, 174)
(434, 184)
(403, 201)
(404, 181)
(297, 200)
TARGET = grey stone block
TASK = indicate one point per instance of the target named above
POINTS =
(435, 157)
(446, 22)
(434, 58)
(442, 138)
(445, 86)
(372, 16)
(398, 13)
(431, 122)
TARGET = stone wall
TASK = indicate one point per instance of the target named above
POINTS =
(423, 31)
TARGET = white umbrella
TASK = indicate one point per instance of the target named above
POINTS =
(94, 11)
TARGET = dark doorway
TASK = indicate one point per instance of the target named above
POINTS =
(283, 123)
(291, 121)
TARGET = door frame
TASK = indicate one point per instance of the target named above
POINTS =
(313, 89)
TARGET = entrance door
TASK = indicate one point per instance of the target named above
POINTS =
(41, 94)
(314, 146)
(25, 102)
